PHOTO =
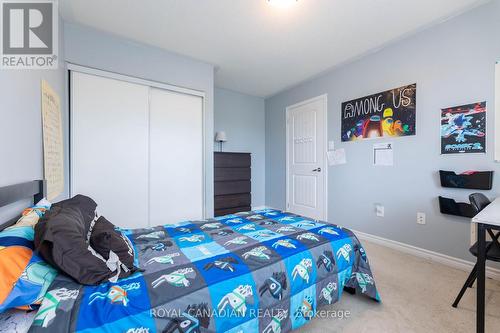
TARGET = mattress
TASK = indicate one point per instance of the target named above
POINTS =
(259, 271)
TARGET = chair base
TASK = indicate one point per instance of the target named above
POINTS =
(492, 250)
(468, 284)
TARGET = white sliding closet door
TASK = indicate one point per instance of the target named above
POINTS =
(109, 147)
(176, 157)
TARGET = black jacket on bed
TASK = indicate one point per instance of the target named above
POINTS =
(64, 238)
(105, 238)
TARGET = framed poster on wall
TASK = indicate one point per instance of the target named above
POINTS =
(463, 129)
(390, 113)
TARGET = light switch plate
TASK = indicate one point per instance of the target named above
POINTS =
(331, 145)
(379, 210)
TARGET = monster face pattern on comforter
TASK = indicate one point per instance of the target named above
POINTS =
(260, 271)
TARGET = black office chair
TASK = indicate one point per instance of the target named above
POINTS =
(479, 202)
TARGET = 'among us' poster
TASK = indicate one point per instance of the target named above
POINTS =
(387, 114)
(463, 129)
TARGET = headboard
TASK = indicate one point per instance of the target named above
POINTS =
(35, 190)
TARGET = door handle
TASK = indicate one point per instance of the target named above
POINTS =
(317, 170)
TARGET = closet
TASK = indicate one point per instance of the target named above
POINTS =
(137, 149)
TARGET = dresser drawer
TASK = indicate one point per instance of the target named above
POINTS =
(232, 187)
(232, 200)
(232, 160)
(226, 211)
(225, 174)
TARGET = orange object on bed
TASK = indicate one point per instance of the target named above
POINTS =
(13, 261)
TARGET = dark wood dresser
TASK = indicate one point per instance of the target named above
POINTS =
(232, 183)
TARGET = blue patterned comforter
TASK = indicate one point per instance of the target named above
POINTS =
(260, 271)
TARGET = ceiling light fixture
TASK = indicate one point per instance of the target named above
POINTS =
(282, 3)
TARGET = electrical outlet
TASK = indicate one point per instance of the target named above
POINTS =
(420, 218)
(379, 210)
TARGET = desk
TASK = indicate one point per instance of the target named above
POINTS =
(488, 218)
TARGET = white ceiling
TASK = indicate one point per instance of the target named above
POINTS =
(260, 49)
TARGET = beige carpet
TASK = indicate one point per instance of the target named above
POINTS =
(416, 297)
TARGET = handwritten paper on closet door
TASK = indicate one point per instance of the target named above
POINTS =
(53, 159)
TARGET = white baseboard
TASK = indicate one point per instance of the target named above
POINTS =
(457, 263)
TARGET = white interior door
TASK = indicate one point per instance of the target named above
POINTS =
(176, 157)
(109, 147)
(306, 167)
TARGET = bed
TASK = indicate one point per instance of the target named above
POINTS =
(259, 271)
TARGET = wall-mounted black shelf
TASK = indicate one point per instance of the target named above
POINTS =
(478, 180)
(451, 207)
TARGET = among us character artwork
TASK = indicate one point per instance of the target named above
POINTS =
(463, 129)
(387, 114)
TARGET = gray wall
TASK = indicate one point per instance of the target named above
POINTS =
(21, 123)
(452, 64)
(242, 117)
(88, 47)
